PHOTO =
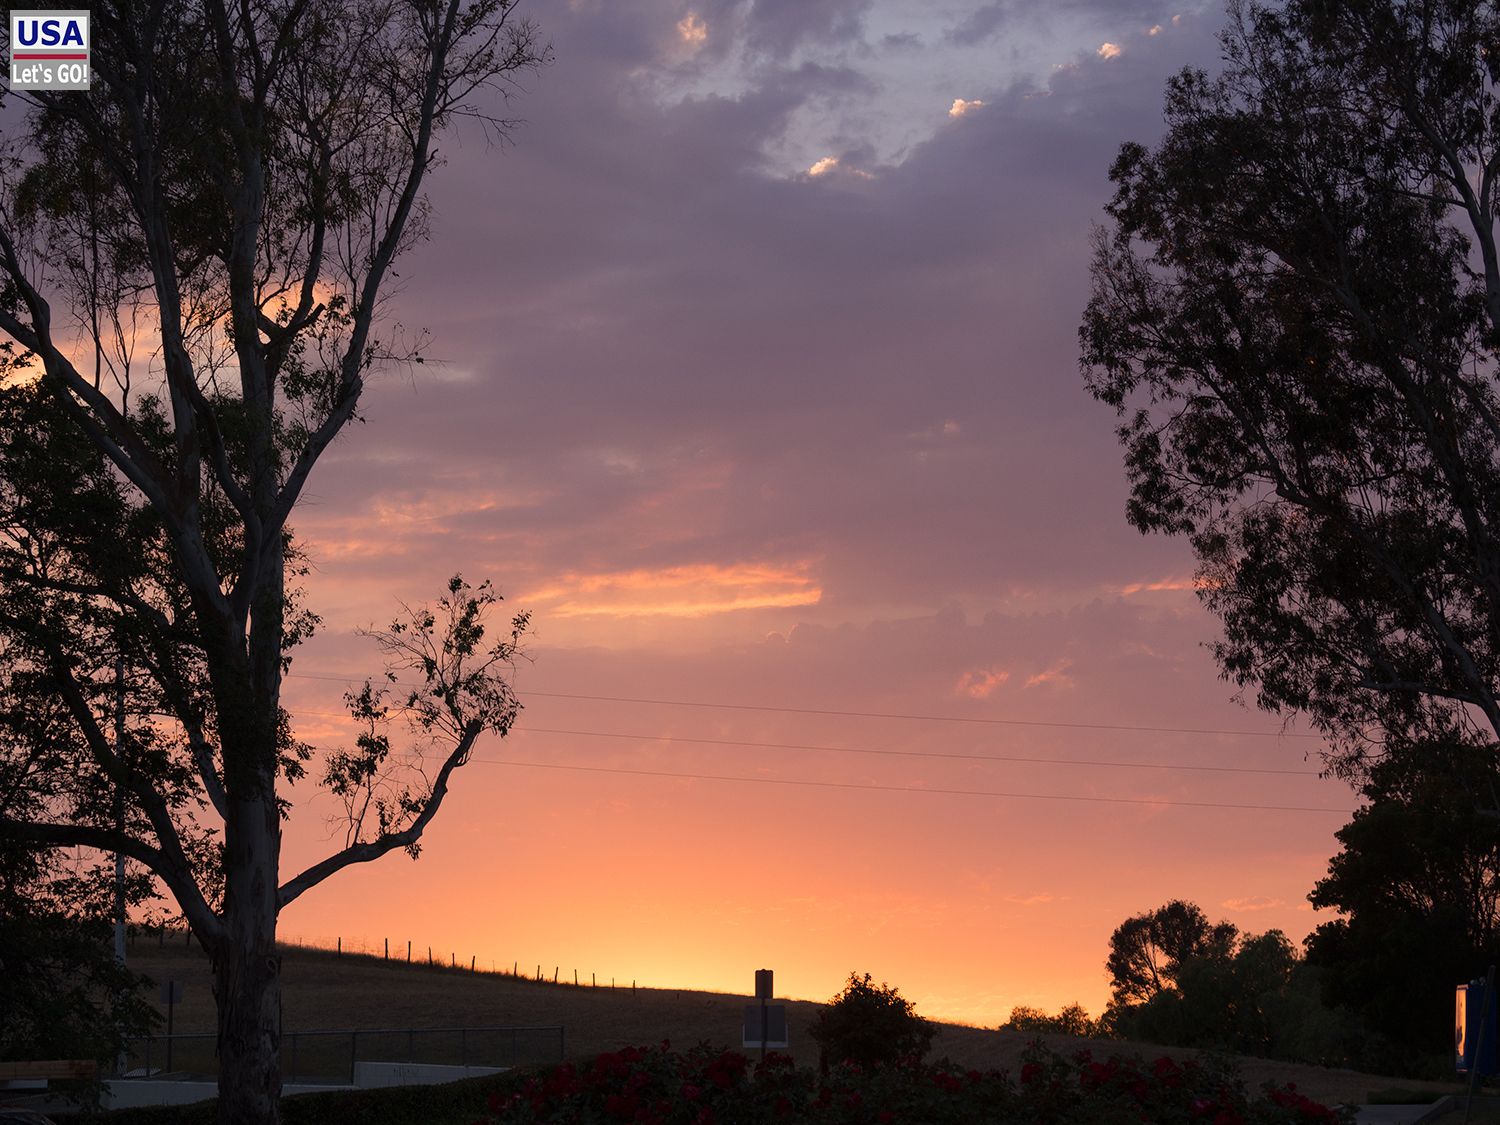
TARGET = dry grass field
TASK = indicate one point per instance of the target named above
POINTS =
(325, 991)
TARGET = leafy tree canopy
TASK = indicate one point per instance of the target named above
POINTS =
(194, 261)
(1222, 989)
(870, 1025)
(1295, 312)
(1072, 1019)
(1147, 952)
(1416, 883)
(62, 993)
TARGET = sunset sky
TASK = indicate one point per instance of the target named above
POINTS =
(753, 375)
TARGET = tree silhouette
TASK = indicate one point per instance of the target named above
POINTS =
(1147, 952)
(1416, 884)
(192, 261)
(1295, 312)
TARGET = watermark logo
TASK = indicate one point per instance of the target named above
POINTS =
(49, 50)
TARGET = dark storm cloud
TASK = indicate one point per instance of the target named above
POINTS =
(777, 27)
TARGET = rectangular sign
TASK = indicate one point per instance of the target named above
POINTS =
(49, 50)
(775, 1026)
(1473, 1020)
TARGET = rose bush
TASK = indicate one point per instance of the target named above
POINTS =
(706, 1086)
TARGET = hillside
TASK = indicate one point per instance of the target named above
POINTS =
(323, 990)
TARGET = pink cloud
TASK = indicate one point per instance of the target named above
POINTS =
(978, 683)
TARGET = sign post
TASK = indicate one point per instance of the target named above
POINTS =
(765, 1023)
(171, 995)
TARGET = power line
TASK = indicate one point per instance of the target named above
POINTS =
(912, 788)
(911, 753)
(935, 754)
(864, 714)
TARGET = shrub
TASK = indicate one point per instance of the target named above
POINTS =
(705, 1086)
(870, 1025)
(1072, 1020)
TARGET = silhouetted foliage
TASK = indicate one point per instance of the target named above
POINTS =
(62, 993)
(1070, 1020)
(194, 261)
(870, 1025)
(1296, 312)
(1218, 988)
(1147, 951)
(1416, 883)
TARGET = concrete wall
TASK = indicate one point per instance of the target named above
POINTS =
(120, 1093)
(369, 1075)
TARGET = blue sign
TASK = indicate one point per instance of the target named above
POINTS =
(1471, 1024)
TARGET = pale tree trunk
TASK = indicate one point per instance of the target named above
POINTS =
(247, 968)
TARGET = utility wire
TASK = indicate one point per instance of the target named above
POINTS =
(920, 718)
(912, 788)
(911, 753)
(860, 714)
(936, 754)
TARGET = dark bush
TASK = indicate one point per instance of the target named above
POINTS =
(870, 1025)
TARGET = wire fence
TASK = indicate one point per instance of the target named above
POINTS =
(332, 1057)
(407, 951)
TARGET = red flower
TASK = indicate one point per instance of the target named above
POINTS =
(1031, 1072)
(622, 1106)
(1097, 1074)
